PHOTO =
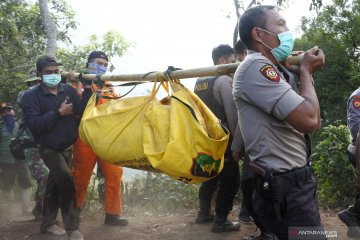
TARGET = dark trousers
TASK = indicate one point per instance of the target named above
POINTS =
(247, 187)
(11, 171)
(60, 190)
(298, 209)
(227, 183)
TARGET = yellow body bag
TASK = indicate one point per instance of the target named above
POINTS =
(178, 135)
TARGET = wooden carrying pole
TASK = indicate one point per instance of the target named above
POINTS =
(224, 69)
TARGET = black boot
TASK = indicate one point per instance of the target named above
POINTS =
(221, 225)
(204, 218)
(204, 215)
(351, 217)
(115, 220)
(264, 236)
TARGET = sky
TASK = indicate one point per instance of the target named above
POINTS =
(180, 33)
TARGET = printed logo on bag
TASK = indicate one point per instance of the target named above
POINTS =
(356, 101)
(205, 166)
(270, 73)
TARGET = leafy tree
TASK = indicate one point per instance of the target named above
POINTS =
(336, 30)
(241, 6)
(74, 58)
(23, 39)
(330, 163)
(51, 23)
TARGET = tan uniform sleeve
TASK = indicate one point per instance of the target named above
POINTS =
(264, 87)
(223, 94)
(237, 144)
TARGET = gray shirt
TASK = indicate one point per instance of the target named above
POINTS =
(263, 99)
(222, 93)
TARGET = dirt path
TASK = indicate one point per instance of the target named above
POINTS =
(145, 226)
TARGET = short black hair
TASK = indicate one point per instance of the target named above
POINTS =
(97, 54)
(240, 47)
(223, 50)
(253, 17)
(45, 61)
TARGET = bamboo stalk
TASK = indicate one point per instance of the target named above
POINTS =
(224, 69)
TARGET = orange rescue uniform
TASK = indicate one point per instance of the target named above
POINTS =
(84, 160)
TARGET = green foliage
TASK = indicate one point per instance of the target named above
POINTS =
(64, 18)
(160, 193)
(112, 43)
(334, 173)
(336, 30)
(22, 40)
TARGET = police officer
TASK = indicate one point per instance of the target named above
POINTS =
(351, 216)
(240, 51)
(274, 118)
(215, 92)
(353, 121)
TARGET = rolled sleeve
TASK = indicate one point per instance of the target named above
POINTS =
(286, 104)
(269, 91)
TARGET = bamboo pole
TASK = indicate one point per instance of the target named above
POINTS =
(223, 69)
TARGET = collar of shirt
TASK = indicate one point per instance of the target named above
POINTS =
(46, 91)
(253, 52)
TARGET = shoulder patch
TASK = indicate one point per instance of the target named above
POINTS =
(356, 101)
(270, 73)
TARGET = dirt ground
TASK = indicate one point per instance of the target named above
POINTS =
(142, 226)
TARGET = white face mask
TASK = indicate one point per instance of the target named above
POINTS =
(51, 80)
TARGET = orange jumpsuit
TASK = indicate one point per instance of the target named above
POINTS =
(84, 160)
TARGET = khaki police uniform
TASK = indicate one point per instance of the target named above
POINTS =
(216, 94)
(353, 121)
(263, 103)
(264, 96)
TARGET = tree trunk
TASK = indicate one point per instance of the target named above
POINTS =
(236, 30)
(237, 9)
(50, 28)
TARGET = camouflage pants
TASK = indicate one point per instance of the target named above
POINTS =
(38, 171)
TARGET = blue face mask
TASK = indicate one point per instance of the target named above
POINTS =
(51, 80)
(95, 68)
(9, 121)
(285, 48)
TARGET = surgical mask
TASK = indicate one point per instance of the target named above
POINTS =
(51, 80)
(95, 68)
(285, 48)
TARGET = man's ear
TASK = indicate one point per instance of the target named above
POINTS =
(222, 60)
(256, 34)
